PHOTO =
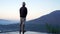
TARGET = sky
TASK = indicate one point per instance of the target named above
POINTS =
(9, 9)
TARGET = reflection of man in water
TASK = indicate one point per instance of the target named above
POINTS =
(23, 14)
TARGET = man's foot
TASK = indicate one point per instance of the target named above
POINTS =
(24, 31)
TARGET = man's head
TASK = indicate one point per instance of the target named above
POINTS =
(23, 4)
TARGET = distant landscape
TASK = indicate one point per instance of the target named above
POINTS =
(38, 25)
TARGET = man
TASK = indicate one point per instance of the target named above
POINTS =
(23, 14)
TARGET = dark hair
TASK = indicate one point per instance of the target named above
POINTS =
(24, 4)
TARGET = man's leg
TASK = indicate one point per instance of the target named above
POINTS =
(20, 25)
(23, 25)
(23, 28)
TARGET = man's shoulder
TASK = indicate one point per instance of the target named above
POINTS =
(23, 8)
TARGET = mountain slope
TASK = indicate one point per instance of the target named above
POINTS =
(7, 22)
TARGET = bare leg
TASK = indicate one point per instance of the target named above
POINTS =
(20, 25)
(23, 25)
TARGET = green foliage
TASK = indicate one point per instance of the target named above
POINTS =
(52, 29)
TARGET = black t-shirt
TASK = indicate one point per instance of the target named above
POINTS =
(23, 12)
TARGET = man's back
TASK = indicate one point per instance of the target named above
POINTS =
(23, 12)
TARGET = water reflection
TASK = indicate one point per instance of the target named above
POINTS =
(28, 32)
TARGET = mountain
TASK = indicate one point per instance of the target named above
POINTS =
(6, 22)
(38, 25)
(53, 18)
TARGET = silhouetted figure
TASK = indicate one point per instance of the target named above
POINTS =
(23, 14)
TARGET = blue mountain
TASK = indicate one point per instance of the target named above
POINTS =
(6, 22)
(39, 24)
(3, 21)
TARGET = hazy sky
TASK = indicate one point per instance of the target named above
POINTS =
(9, 9)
